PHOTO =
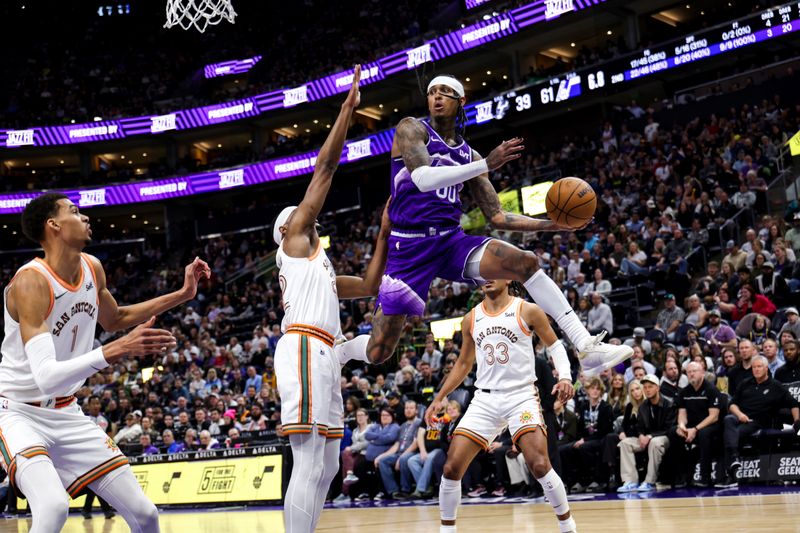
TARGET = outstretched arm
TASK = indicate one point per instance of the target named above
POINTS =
(300, 236)
(486, 197)
(463, 366)
(114, 318)
(349, 287)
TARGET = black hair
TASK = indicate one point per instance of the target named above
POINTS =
(515, 288)
(37, 212)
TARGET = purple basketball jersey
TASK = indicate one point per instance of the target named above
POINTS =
(412, 208)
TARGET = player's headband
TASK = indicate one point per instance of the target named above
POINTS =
(447, 81)
(280, 221)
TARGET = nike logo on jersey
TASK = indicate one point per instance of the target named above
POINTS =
(60, 295)
(568, 312)
(478, 319)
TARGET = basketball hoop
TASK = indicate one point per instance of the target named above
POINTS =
(198, 13)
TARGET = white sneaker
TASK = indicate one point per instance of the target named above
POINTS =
(597, 355)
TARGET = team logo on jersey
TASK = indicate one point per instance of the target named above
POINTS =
(89, 286)
(526, 417)
(111, 444)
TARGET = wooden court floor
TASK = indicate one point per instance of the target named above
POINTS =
(728, 514)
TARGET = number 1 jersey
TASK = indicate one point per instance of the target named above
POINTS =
(71, 321)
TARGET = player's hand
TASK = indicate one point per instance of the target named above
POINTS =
(145, 340)
(436, 407)
(192, 274)
(354, 96)
(564, 390)
(507, 151)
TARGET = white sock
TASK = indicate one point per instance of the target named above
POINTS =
(331, 461)
(554, 491)
(549, 297)
(568, 525)
(355, 349)
(449, 499)
(447, 529)
(298, 506)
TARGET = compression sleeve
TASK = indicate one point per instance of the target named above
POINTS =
(428, 178)
(55, 377)
(560, 360)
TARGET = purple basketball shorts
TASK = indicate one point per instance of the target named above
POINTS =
(413, 263)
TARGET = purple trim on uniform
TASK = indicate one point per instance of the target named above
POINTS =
(397, 298)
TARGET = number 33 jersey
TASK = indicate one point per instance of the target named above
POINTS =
(503, 348)
(71, 320)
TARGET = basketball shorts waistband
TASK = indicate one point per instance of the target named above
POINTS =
(51, 403)
(312, 331)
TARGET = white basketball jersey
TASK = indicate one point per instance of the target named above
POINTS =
(72, 321)
(503, 348)
(309, 292)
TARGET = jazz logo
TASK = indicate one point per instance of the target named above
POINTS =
(168, 484)
(259, 479)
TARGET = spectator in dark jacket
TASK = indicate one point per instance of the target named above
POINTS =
(655, 419)
(790, 372)
(754, 406)
(595, 421)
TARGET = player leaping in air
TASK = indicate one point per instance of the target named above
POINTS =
(430, 163)
(498, 334)
(50, 449)
(306, 361)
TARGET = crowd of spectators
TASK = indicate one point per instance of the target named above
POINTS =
(724, 324)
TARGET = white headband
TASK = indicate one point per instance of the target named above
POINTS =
(447, 81)
(280, 221)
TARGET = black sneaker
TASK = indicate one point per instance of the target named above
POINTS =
(87, 515)
(735, 466)
(400, 495)
(110, 514)
(729, 482)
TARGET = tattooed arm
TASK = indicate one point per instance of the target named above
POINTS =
(486, 197)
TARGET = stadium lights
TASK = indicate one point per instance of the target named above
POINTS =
(328, 126)
(488, 72)
(505, 76)
(130, 161)
(27, 164)
(156, 228)
(308, 130)
(144, 154)
(145, 221)
(33, 171)
(133, 215)
(380, 106)
(219, 146)
(467, 80)
(112, 226)
(484, 84)
(294, 125)
(572, 45)
(316, 121)
(396, 110)
(61, 161)
(122, 156)
(98, 119)
(72, 121)
(609, 32)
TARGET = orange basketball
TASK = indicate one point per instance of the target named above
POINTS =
(571, 202)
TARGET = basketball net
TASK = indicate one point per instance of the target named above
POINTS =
(198, 13)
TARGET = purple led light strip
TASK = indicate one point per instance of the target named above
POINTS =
(453, 43)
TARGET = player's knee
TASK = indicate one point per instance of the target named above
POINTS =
(53, 513)
(539, 467)
(451, 471)
(148, 518)
(528, 265)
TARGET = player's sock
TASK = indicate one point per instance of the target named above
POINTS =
(355, 349)
(447, 529)
(549, 297)
(331, 461)
(39, 482)
(298, 507)
(567, 526)
(120, 488)
(449, 499)
(555, 493)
